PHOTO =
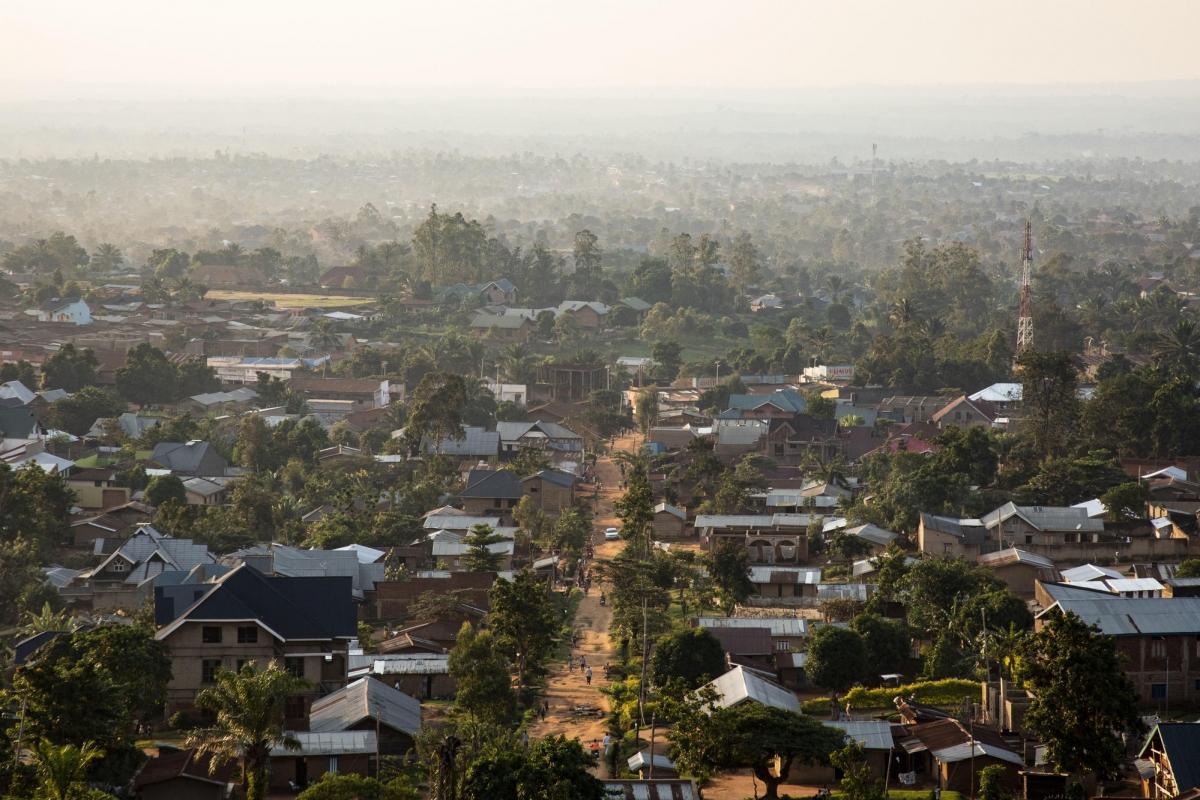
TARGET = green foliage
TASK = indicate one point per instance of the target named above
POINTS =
(750, 735)
(836, 657)
(77, 413)
(346, 786)
(991, 783)
(247, 707)
(1049, 382)
(93, 686)
(1063, 481)
(436, 410)
(858, 782)
(62, 771)
(524, 621)
(1189, 568)
(70, 369)
(147, 377)
(693, 656)
(554, 768)
(481, 674)
(1082, 699)
(1125, 500)
(729, 566)
(163, 489)
(945, 692)
(480, 556)
(887, 643)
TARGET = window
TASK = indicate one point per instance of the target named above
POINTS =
(1158, 691)
(1158, 648)
(1029, 540)
(97, 483)
(247, 634)
(333, 765)
(783, 646)
(208, 669)
(294, 666)
(119, 566)
(210, 634)
(293, 708)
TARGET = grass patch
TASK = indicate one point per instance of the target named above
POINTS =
(290, 300)
(948, 692)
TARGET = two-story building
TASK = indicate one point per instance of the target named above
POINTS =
(769, 538)
(949, 537)
(304, 624)
(96, 488)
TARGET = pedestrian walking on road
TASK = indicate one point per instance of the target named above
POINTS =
(587, 673)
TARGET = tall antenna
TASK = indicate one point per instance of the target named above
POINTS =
(1025, 316)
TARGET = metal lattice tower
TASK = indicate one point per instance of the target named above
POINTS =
(1025, 315)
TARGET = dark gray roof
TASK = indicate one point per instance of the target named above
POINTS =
(971, 531)
(475, 442)
(188, 457)
(293, 608)
(1126, 616)
(1181, 743)
(1045, 518)
(493, 483)
(17, 422)
(557, 477)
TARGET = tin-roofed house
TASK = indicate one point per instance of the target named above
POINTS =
(369, 704)
(1173, 748)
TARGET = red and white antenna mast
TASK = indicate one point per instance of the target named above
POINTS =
(1025, 316)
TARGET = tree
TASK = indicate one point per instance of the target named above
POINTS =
(693, 656)
(1188, 568)
(554, 768)
(164, 489)
(523, 621)
(480, 556)
(836, 657)
(858, 782)
(94, 686)
(1049, 382)
(1125, 500)
(991, 783)
(751, 735)
(436, 411)
(70, 369)
(62, 771)
(887, 642)
(729, 566)
(147, 377)
(667, 357)
(347, 786)
(482, 676)
(254, 446)
(587, 257)
(248, 721)
(744, 261)
(1082, 700)
(645, 409)
(76, 414)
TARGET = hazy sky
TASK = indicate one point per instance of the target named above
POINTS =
(245, 45)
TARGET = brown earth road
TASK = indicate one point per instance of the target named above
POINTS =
(567, 689)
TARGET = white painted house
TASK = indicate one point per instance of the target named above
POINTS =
(71, 310)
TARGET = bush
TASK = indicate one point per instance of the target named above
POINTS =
(945, 692)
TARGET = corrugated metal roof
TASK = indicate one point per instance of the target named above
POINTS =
(672, 789)
(423, 664)
(1014, 555)
(872, 734)
(328, 744)
(1132, 616)
(366, 698)
(1088, 572)
(779, 626)
(457, 522)
(740, 685)
(786, 575)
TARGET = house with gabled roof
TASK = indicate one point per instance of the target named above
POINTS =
(743, 685)
(370, 704)
(538, 434)
(1041, 529)
(950, 537)
(963, 412)
(305, 624)
(782, 403)
(126, 577)
(1173, 749)
(190, 458)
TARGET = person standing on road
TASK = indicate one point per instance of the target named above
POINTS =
(587, 673)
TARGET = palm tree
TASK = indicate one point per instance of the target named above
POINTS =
(835, 285)
(1178, 349)
(107, 258)
(232, 253)
(247, 707)
(46, 620)
(62, 771)
(902, 313)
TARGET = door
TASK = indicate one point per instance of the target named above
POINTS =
(301, 772)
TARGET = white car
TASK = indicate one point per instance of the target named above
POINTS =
(611, 534)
